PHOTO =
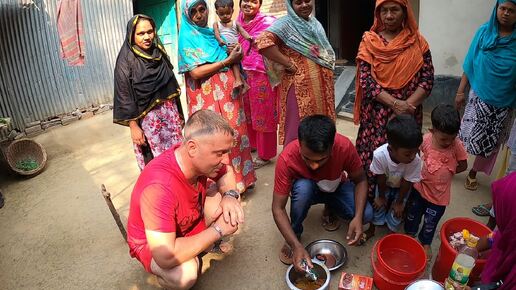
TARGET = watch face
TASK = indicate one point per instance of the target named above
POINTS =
(232, 193)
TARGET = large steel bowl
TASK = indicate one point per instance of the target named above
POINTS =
(320, 270)
(330, 252)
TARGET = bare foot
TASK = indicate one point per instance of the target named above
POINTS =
(238, 84)
(428, 252)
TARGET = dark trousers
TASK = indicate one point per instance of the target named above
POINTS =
(418, 207)
(306, 193)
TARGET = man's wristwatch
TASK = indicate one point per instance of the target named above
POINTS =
(232, 193)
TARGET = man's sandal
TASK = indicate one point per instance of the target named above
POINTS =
(259, 163)
(330, 222)
(285, 255)
(364, 238)
(471, 183)
(482, 209)
(221, 247)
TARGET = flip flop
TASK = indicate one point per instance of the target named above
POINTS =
(364, 238)
(285, 255)
(221, 247)
(330, 222)
(482, 209)
(471, 183)
(259, 163)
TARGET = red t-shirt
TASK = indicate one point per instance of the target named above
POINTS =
(291, 166)
(164, 201)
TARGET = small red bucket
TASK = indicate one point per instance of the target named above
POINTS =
(400, 261)
(447, 254)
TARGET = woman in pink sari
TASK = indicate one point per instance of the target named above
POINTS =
(260, 101)
(500, 269)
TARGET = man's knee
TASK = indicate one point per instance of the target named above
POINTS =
(303, 188)
(181, 277)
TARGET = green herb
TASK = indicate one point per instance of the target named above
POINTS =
(27, 164)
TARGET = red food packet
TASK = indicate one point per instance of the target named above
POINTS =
(355, 282)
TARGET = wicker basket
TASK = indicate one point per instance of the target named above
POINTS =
(24, 149)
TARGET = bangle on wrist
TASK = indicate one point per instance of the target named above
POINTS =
(394, 103)
(218, 230)
(459, 94)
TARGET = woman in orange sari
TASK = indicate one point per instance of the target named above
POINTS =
(394, 75)
(296, 45)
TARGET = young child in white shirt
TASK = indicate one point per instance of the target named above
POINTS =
(396, 166)
(226, 32)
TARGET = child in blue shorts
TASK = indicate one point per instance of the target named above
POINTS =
(396, 166)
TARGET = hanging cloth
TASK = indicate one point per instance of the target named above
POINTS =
(71, 32)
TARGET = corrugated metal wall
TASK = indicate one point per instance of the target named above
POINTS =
(35, 83)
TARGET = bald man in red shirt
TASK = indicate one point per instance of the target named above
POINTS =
(174, 214)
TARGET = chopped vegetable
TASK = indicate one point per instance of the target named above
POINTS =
(27, 164)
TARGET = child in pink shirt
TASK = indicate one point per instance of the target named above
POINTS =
(443, 156)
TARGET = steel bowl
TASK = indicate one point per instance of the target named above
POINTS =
(425, 284)
(329, 252)
(320, 270)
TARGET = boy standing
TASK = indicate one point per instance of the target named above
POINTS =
(396, 166)
(443, 156)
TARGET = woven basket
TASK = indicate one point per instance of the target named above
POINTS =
(24, 149)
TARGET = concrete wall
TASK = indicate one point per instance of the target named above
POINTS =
(449, 26)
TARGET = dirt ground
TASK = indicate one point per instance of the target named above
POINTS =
(57, 232)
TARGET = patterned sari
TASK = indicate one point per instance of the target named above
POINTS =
(398, 67)
(216, 94)
(260, 100)
(311, 90)
(312, 87)
(198, 46)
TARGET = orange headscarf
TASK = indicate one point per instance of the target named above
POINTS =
(395, 64)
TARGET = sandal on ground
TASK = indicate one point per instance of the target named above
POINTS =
(259, 163)
(364, 238)
(330, 222)
(482, 209)
(221, 247)
(471, 183)
(285, 255)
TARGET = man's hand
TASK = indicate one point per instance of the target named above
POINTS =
(379, 202)
(226, 228)
(355, 231)
(398, 208)
(298, 254)
(231, 211)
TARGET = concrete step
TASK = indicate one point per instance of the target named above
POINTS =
(345, 90)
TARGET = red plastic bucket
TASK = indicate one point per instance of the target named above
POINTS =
(447, 254)
(400, 261)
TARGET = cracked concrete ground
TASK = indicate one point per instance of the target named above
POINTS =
(57, 232)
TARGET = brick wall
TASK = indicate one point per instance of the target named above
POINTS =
(274, 7)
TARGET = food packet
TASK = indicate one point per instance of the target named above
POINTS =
(355, 282)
